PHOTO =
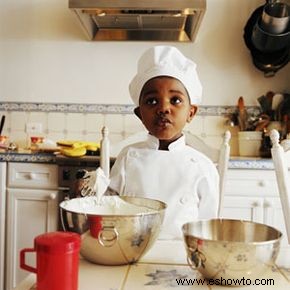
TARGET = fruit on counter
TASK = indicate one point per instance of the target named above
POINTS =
(78, 144)
(71, 144)
(75, 148)
(73, 152)
(36, 139)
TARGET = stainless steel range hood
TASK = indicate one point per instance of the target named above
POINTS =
(155, 20)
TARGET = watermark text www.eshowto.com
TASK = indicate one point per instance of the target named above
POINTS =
(226, 282)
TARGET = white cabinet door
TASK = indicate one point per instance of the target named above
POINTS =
(273, 216)
(30, 212)
(2, 220)
(245, 208)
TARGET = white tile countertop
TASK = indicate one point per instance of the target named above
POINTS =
(164, 267)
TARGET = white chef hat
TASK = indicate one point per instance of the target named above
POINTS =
(166, 61)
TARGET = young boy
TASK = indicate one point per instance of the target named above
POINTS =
(166, 91)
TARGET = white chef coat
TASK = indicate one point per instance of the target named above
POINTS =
(182, 177)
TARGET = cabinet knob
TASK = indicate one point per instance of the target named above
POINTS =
(256, 204)
(52, 196)
(262, 183)
(32, 176)
(268, 204)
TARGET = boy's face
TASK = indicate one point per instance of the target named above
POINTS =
(164, 108)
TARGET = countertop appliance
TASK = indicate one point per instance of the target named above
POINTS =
(156, 20)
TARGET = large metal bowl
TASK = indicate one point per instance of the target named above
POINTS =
(230, 249)
(116, 239)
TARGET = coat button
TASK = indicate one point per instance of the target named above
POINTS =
(133, 154)
(183, 200)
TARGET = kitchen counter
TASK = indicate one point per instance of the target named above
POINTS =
(159, 269)
(235, 162)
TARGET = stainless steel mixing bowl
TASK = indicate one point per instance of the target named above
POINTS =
(116, 239)
(230, 249)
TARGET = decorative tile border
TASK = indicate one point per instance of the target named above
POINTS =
(262, 164)
(27, 157)
(108, 108)
(66, 108)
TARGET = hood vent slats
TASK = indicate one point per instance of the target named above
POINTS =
(140, 23)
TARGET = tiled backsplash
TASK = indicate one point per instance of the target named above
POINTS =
(84, 122)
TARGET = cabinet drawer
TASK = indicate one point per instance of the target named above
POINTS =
(32, 175)
(251, 182)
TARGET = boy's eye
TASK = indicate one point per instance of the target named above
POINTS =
(176, 100)
(150, 101)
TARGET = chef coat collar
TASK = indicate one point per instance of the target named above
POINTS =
(178, 144)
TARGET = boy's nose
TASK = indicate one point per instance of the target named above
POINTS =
(163, 108)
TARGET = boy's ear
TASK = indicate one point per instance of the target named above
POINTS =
(192, 112)
(137, 113)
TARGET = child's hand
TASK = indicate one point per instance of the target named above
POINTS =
(111, 191)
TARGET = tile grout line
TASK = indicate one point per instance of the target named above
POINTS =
(125, 278)
(282, 273)
(162, 263)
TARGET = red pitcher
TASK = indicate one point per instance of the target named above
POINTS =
(57, 260)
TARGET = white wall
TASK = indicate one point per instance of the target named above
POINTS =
(45, 57)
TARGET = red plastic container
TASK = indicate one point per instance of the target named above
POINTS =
(57, 260)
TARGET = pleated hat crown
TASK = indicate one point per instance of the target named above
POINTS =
(166, 61)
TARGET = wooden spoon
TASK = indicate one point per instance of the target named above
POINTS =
(242, 114)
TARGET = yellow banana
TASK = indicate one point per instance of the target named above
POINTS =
(77, 144)
(73, 152)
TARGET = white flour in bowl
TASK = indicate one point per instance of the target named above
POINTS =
(108, 205)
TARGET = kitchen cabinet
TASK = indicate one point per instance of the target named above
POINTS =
(32, 209)
(249, 208)
(2, 220)
(253, 195)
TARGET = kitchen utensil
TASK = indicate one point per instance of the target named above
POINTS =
(277, 100)
(2, 124)
(275, 17)
(57, 260)
(85, 184)
(262, 123)
(268, 42)
(284, 107)
(230, 249)
(269, 97)
(115, 239)
(268, 62)
(93, 182)
(263, 103)
(242, 114)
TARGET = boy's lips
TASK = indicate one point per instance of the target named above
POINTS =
(162, 122)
